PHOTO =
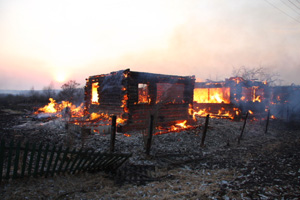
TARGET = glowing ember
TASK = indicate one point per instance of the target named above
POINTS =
(94, 116)
(257, 99)
(124, 103)
(182, 125)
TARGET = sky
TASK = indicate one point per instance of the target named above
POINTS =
(44, 42)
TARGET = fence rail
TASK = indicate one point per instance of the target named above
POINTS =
(18, 161)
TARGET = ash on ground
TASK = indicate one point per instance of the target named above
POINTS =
(262, 166)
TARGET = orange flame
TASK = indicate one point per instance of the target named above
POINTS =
(212, 95)
(95, 94)
(53, 107)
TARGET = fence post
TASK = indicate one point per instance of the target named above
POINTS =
(204, 131)
(113, 133)
(268, 119)
(239, 139)
(150, 133)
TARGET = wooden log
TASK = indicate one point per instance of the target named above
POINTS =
(150, 133)
(244, 125)
(204, 131)
(113, 133)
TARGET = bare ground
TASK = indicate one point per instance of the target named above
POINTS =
(262, 166)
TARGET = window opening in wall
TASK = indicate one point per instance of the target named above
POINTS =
(143, 93)
(169, 93)
(95, 94)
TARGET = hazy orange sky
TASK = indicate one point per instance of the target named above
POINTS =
(60, 40)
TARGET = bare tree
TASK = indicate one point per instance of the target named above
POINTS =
(71, 91)
(257, 73)
(49, 91)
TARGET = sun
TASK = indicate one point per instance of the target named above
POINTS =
(60, 77)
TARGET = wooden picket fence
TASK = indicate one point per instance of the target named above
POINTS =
(18, 161)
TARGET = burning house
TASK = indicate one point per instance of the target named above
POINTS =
(134, 96)
(285, 102)
(230, 98)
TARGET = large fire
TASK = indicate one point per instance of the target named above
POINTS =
(212, 95)
(63, 108)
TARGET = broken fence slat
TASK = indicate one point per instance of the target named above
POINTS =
(31, 159)
(85, 163)
(44, 160)
(37, 163)
(80, 161)
(76, 158)
(2, 149)
(16, 164)
(9, 159)
(268, 119)
(69, 161)
(24, 159)
(56, 160)
(50, 161)
(59, 170)
(100, 159)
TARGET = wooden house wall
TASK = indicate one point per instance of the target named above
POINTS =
(138, 114)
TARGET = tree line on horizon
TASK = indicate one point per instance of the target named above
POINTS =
(70, 91)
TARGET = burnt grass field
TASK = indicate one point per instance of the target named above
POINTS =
(262, 166)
